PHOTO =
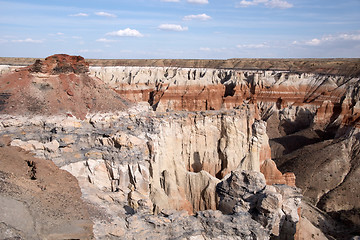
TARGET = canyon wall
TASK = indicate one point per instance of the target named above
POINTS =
(150, 162)
(184, 143)
(304, 112)
(163, 153)
(287, 93)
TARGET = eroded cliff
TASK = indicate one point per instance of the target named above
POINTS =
(178, 134)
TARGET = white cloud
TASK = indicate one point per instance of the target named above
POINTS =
(105, 40)
(127, 32)
(56, 34)
(245, 3)
(313, 42)
(278, 4)
(261, 45)
(90, 50)
(27, 40)
(205, 49)
(267, 3)
(339, 39)
(353, 37)
(105, 14)
(172, 27)
(80, 15)
(198, 1)
(202, 17)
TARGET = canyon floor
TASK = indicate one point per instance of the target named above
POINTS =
(179, 149)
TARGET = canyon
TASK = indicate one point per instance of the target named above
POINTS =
(187, 149)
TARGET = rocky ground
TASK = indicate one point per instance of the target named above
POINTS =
(38, 200)
(178, 151)
(55, 86)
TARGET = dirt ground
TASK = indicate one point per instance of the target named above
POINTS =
(38, 200)
(30, 92)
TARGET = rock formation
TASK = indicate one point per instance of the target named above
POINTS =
(57, 85)
(38, 200)
(192, 153)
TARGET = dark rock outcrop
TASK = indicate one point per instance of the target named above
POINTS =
(60, 63)
(274, 207)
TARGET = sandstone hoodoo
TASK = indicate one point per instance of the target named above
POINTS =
(206, 152)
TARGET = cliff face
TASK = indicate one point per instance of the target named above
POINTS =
(155, 163)
(178, 141)
(305, 112)
(172, 89)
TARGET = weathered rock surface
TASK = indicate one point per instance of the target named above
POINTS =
(38, 200)
(206, 89)
(58, 85)
(137, 162)
(274, 207)
(60, 63)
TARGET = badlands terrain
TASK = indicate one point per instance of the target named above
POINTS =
(179, 149)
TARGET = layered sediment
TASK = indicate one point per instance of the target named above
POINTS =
(178, 141)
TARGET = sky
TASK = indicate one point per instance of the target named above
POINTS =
(186, 29)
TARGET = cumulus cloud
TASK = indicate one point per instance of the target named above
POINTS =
(261, 45)
(267, 3)
(278, 4)
(313, 42)
(245, 3)
(105, 40)
(127, 32)
(27, 40)
(105, 14)
(198, 1)
(339, 39)
(80, 15)
(202, 17)
(172, 27)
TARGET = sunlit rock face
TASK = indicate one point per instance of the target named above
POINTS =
(213, 89)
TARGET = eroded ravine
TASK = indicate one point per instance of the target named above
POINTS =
(188, 130)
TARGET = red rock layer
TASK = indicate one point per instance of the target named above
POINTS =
(56, 86)
(327, 99)
(271, 173)
(60, 63)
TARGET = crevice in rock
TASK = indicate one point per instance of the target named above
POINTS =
(3, 98)
(197, 165)
(224, 76)
(223, 161)
(32, 169)
(229, 89)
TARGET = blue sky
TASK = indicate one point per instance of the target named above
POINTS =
(210, 29)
